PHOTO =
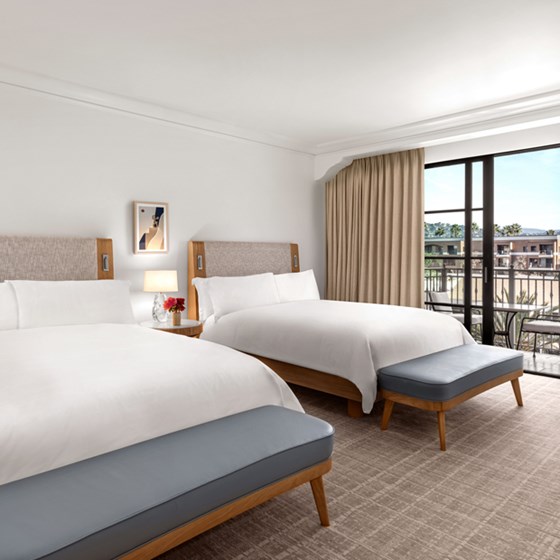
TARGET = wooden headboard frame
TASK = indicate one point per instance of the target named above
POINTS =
(226, 258)
(56, 258)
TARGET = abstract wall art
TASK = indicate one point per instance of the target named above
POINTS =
(151, 226)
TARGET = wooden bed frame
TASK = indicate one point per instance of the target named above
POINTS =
(297, 375)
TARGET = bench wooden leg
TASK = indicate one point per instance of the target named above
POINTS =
(320, 500)
(387, 411)
(441, 428)
(517, 391)
(354, 409)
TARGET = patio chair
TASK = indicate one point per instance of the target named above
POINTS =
(541, 324)
(448, 309)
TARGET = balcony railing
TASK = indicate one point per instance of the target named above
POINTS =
(540, 285)
(537, 286)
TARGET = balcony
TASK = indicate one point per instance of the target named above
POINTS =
(535, 286)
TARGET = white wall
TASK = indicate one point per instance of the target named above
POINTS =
(73, 169)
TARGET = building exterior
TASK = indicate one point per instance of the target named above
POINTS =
(522, 252)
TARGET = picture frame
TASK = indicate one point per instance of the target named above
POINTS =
(151, 227)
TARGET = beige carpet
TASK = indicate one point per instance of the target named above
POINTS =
(495, 494)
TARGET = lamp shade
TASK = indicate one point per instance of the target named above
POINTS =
(160, 281)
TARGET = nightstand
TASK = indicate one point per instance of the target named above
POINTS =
(186, 328)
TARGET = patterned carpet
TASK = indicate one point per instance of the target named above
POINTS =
(495, 494)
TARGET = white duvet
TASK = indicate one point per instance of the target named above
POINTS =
(351, 340)
(69, 393)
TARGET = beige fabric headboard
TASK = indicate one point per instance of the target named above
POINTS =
(227, 258)
(55, 258)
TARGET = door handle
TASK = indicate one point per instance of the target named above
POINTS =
(486, 275)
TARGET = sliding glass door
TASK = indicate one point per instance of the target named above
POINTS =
(458, 273)
(492, 240)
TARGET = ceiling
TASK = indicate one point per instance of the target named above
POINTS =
(317, 73)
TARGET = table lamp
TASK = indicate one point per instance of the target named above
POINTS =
(160, 282)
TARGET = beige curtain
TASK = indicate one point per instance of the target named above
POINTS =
(375, 230)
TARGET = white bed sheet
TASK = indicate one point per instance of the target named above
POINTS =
(69, 393)
(351, 340)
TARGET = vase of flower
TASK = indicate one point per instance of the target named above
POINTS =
(175, 306)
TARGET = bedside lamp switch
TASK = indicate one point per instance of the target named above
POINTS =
(199, 262)
(105, 262)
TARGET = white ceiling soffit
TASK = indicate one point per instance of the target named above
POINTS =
(527, 112)
(135, 107)
(316, 76)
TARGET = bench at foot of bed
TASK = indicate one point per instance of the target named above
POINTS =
(138, 502)
(440, 381)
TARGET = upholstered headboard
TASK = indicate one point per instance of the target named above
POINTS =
(227, 258)
(55, 258)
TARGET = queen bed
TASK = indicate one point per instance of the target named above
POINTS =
(78, 377)
(330, 346)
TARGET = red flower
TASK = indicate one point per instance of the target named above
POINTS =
(174, 305)
(180, 305)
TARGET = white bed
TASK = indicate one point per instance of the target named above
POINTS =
(79, 378)
(349, 340)
(253, 297)
(69, 393)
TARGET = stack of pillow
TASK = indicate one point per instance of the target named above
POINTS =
(218, 296)
(31, 304)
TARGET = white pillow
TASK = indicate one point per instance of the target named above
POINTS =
(50, 304)
(297, 286)
(8, 308)
(205, 307)
(231, 293)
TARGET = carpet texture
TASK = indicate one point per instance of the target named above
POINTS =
(494, 494)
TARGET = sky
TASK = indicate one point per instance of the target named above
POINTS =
(526, 190)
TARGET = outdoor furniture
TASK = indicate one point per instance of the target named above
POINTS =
(542, 324)
(442, 380)
(441, 303)
(511, 310)
(445, 306)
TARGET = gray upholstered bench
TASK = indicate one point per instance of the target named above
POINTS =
(142, 500)
(441, 381)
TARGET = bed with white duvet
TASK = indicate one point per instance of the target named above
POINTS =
(282, 318)
(70, 391)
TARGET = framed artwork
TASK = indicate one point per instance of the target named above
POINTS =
(151, 227)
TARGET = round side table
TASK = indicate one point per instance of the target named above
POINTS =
(186, 328)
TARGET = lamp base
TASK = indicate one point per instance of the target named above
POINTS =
(159, 314)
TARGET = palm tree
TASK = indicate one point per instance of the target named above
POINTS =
(475, 229)
(498, 230)
(550, 232)
(512, 230)
(440, 232)
(516, 229)
(455, 230)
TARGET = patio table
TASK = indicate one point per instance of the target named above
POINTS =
(510, 309)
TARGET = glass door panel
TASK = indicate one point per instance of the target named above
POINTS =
(454, 249)
(444, 187)
(526, 249)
